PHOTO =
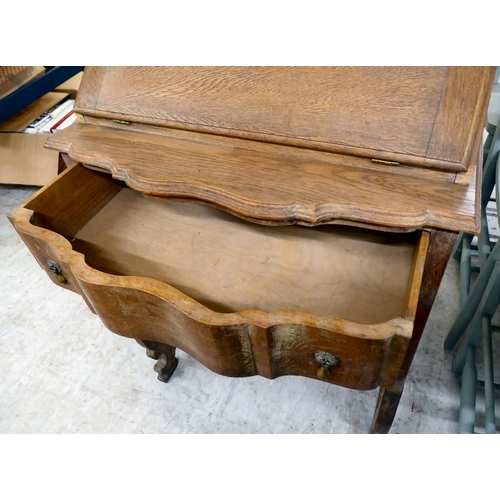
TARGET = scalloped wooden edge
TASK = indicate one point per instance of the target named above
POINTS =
(344, 212)
(20, 218)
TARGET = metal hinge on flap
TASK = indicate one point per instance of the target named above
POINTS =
(123, 122)
(385, 162)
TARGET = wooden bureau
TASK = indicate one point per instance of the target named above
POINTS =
(267, 221)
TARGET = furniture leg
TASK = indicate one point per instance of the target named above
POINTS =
(165, 354)
(441, 244)
(387, 405)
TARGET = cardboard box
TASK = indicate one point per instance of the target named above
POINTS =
(23, 157)
(71, 86)
(24, 160)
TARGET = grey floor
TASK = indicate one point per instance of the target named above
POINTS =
(62, 371)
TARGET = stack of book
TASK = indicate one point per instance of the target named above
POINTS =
(54, 119)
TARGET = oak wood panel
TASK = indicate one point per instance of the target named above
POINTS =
(449, 139)
(226, 343)
(278, 186)
(391, 113)
(416, 273)
(231, 265)
(280, 150)
(440, 246)
(67, 203)
(400, 343)
(41, 246)
(192, 143)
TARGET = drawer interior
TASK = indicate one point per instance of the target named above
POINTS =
(231, 265)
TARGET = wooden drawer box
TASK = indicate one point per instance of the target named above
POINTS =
(242, 299)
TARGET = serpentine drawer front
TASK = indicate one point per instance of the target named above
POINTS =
(335, 303)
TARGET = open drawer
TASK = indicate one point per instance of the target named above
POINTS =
(333, 302)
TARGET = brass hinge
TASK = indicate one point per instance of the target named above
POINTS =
(385, 162)
(120, 121)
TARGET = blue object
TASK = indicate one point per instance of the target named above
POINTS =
(29, 93)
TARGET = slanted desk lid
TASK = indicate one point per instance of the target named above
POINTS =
(430, 117)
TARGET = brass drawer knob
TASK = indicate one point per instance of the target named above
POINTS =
(326, 361)
(56, 269)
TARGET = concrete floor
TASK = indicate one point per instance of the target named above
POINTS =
(62, 371)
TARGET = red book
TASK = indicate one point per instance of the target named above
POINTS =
(57, 126)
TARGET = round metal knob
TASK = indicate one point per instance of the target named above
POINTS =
(326, 361)
(56, 269)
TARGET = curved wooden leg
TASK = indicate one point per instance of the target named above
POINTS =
(165, 354)
(385, 411)
(440, 247)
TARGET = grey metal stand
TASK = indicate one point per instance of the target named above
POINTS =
(478, 304)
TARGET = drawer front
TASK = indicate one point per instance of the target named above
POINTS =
(148, 310)
(247, 343)
(334, 356)
(355, 354)
(235, 345)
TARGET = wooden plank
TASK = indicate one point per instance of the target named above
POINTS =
(274, 184)
(71, 86)
(400, 343)
(440, 247)
(72, 199)
(388, 113)
(449, 141)
(416, 273)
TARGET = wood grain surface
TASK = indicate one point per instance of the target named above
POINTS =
(426, 116)
(284, 186)
(281, 147)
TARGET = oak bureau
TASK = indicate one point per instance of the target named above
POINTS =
(266, 220)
